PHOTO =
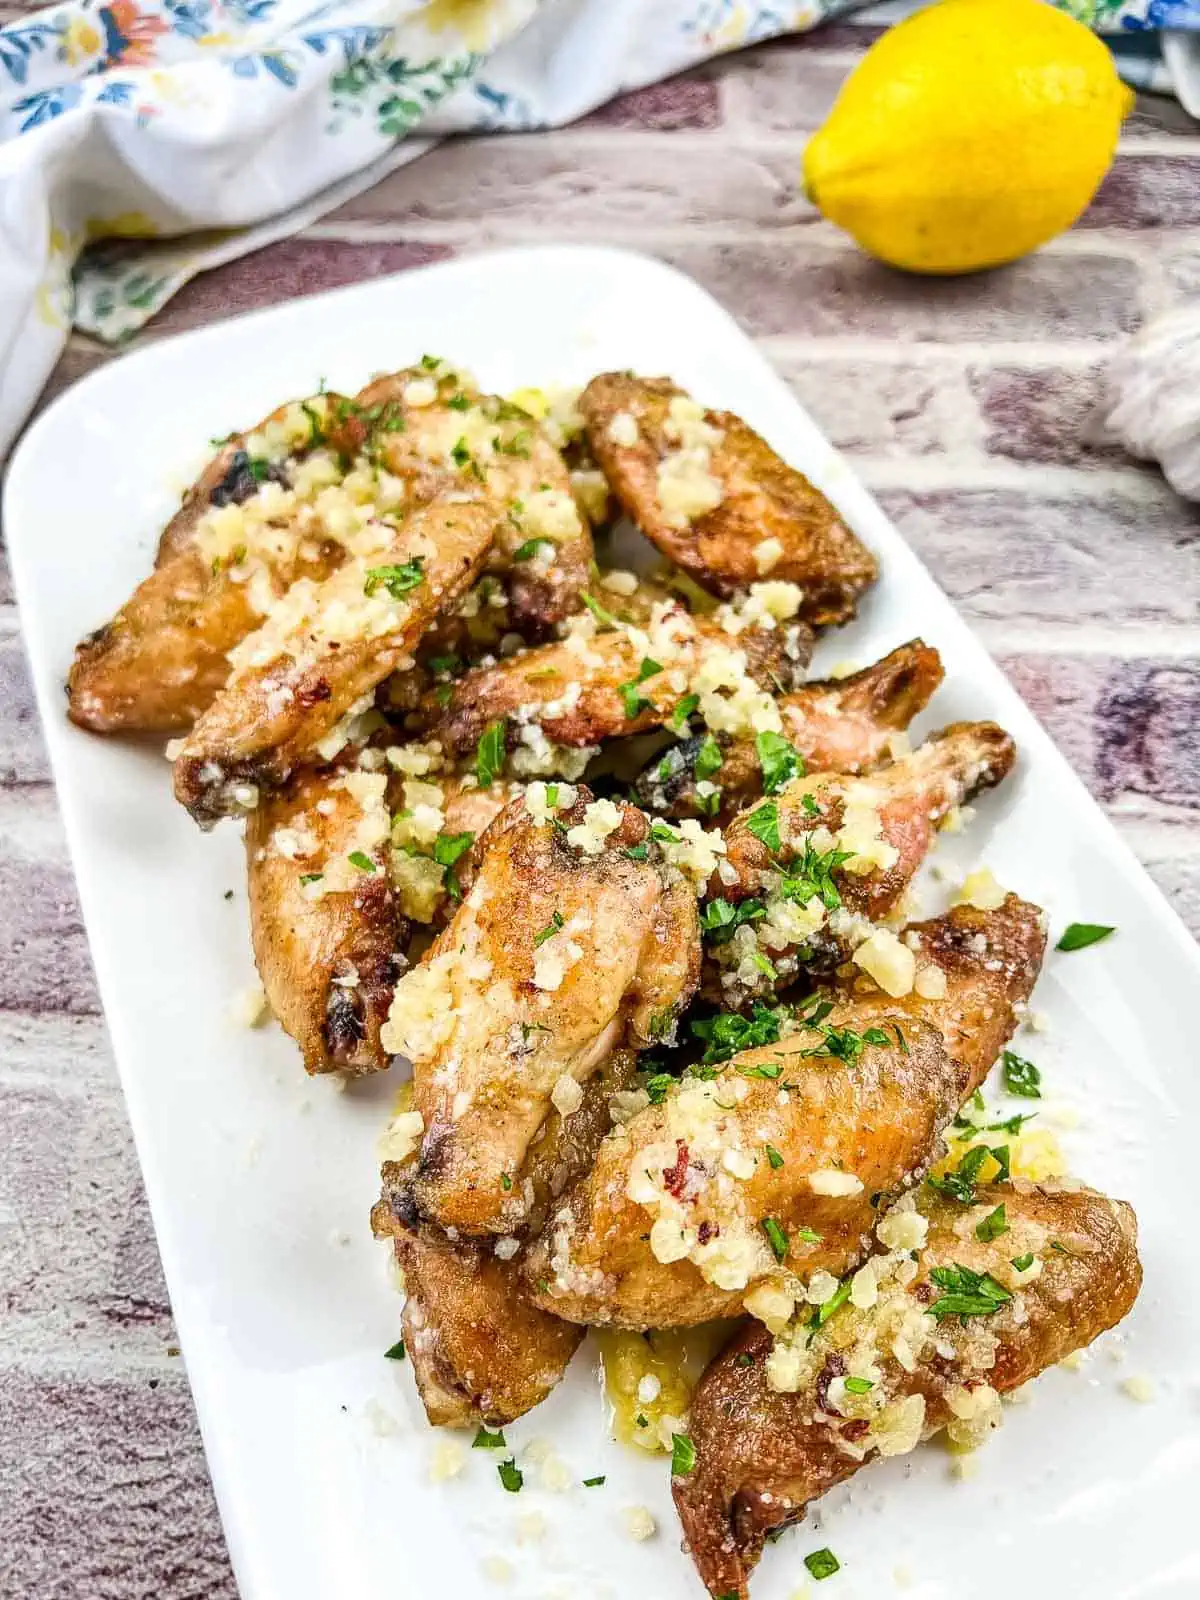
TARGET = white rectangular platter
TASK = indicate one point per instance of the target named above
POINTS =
(260, 1181)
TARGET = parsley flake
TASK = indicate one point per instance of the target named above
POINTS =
(484, 1440)
(763, 823)
(1021, 1076)
(683, 1455)
(992, 1226)
(1081, 934)
(397, 1352)
(397, 580)
(776, 1237)
(511, 1475)
(489, 754)
(555, 925)
(966, 1293)
(779, 760)
(822, 1564)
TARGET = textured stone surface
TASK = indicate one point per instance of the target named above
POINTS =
(971, 406)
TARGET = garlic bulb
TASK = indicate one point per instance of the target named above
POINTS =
(1154, 396)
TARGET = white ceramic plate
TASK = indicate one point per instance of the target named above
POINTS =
(260, 1181)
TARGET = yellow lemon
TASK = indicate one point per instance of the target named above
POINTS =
(968, 135)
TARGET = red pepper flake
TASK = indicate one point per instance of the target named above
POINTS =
(675, 1177)
(834, 1367)
(707, 1230)
(854, 1430)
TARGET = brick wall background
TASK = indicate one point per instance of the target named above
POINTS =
(968, 405)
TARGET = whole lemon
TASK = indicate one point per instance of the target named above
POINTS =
(968, 135)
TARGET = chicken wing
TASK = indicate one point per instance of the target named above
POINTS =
(735, 1188)
(324, 650)
(325, 920)
(611, 685)
(543, 546)
(938, 1324)
(480, 1350)
(253, 524)
(573, 937)
(716, 499)
(846, 725)
(805, 868)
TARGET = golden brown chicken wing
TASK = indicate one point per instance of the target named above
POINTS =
(431, 421)
(846, 725)
(480, 1350)
(806, 866)
(325, 920)
(610, 686)
(252, 524)
(736, 1187)
(948, 1315)
(324, 650)
(716, 499)
(572, 938)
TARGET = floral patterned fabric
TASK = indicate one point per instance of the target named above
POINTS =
(214, 126)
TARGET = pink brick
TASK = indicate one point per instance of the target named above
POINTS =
(1179, 879)
(582, 186)
(891, 408)
(83, 1250)
(1126, 726)
(44, 960)
(1024, 556)
(784, 90)
(808, 287)
(104, 1493)
(285, 270)
(1043, 413)
(691, 101)
(1148, 191)
(22, 754)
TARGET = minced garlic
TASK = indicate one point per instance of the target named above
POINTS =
(981, 890)
(889, 961)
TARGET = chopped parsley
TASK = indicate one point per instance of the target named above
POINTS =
(1081, 934)
(659, 1087)
(511, 1475)
(396, 1352)
(859, 1385)
(763, 823)
(448, 847)
(305, 877)
(684, 708)
(811, 876)
(484, 1440)
(362, 861)
(1023, 1263)
(776, 1237)
(597, 610)
(773, 1157)
(638, 852)
(808, 1235)
(960, 1184)
(719, 920)
(1021, 1076)
(683, 1455)
(728, 1032)
(822, 1313)
(633, 702)
(594, 1483)
(993, 1225)
(450, 665)
(822, 1564)
(779, 760)
(489, 754)
(397, 580)
(555, 925)
(708, 758)
(528, 551)
(506, 1182)
(966, 1293)
(460, 455)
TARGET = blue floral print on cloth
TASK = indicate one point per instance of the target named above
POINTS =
(212, 127)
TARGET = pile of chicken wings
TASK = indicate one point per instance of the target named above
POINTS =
(628, 890)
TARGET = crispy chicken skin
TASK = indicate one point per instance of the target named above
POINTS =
(532, 685)
(480, 1350)
(483, 440)
(763, 1456)
(333, 645)
(554, 958)
(163, 658)
(842, 725)
(328, 960)
(876, 1116)
(761, 499)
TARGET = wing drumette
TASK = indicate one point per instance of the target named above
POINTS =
(846, 725)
